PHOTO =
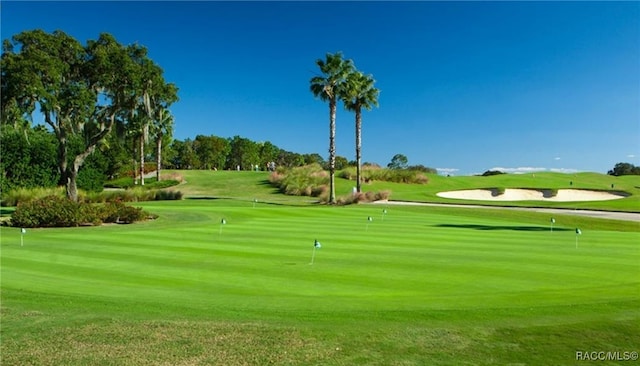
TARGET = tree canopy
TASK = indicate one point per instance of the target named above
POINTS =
(398, 161)
(624, 169)
(80, 90)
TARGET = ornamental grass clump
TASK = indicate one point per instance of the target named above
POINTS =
(309, 180)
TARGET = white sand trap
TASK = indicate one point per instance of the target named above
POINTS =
(564, 195)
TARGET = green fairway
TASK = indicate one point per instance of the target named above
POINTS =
(255, 185)
(586, 181)
(414, 286)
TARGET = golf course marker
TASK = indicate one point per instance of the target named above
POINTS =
(578, 233)
(222, 222)
(316, 245)
(22, 232)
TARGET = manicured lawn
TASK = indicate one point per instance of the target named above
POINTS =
(415, 286)
(255, 185)
(588, 181)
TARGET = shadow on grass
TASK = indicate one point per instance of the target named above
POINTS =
(265, 182)
(237, 200)
(501, 227)
(206, 198)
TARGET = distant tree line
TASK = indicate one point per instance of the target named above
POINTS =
(214, 152)
(624, 169)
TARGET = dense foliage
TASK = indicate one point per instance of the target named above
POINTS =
(489, 173)
(398, 161)
(28, 158)
(82, 92)
(374, 173)
(310, 180)
(624, 169)
(56, 211)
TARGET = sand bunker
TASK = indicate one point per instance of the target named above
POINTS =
(563, 195)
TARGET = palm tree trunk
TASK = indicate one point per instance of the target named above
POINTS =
(141, 160)
(135, 162)
(158, 156)
(332, 150)
(358, 149)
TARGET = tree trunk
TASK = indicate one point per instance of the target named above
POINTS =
(62, 160)
(158, 156)
(72, 174)
(135, 162)
(141, 160)
(71, 186)
(358, 148)
(332, 150)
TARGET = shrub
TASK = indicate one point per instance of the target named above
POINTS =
(162, 184)
(363, 197)
(173, 176)
(417, 175)
(149, 183)
(307, 180)
(28, 158)
(489, 173)
(90, 179)
(348, 173)
(55, 211)
(131, 195)
(497, 191)
(422, 169)
(168, 195)
(118, 212)
(50, 211)
(23, 195)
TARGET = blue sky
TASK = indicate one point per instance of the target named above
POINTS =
(465, 86)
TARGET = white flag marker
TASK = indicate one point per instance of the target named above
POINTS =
(316, 245)
(578, 232)
(553, 221)
(369, 219)
(222, 222)
(22, 232)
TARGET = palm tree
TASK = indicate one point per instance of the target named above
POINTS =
(359, 93)
(329, 87)
(162, 125)
(138, 129)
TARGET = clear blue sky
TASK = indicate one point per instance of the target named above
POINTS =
(465, 86)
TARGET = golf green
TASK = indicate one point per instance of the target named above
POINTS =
(385, 285)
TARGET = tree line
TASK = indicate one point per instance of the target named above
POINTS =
(29, 157)
(624, 169)
(235, 153)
